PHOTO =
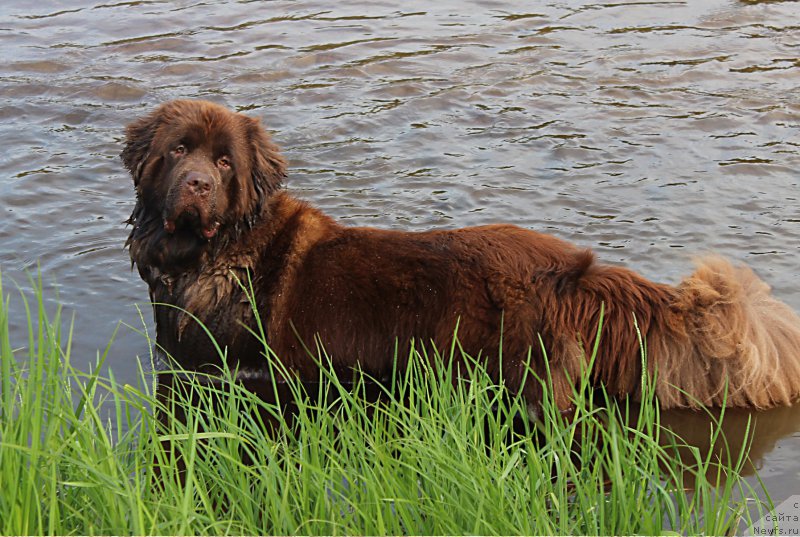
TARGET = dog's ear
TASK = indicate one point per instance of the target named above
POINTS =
(138, 139)
(268, 166)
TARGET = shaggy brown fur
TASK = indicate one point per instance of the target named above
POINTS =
(210, 210)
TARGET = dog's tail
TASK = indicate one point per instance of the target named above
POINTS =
(729, 333)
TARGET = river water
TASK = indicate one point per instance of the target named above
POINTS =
(651, 131)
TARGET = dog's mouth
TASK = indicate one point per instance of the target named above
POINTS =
(190, 205)
(194, 219)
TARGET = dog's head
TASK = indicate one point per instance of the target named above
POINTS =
(200, 171)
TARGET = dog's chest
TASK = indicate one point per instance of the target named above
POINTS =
(195, 305)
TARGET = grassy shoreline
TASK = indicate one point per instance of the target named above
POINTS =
(433, 458)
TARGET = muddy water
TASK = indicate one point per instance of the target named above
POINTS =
(651, 131)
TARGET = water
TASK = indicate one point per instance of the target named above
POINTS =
(651, 131)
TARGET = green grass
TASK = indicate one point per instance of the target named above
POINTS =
(434, 457)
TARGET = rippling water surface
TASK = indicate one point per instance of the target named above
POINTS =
(652, 131)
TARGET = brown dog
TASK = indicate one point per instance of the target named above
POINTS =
(210, 210)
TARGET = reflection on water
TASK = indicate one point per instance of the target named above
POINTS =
(769, 437)
(650, 130)
(760, 431)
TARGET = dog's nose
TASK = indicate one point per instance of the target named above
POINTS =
(198, 183)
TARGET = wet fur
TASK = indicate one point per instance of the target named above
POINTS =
(359, 290)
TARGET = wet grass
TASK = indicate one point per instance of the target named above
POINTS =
(79, 453)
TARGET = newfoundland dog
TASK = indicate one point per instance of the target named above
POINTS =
(212, 219)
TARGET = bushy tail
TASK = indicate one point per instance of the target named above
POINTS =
(729, 332)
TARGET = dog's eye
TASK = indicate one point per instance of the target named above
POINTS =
(224, 162)
(179, 150)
